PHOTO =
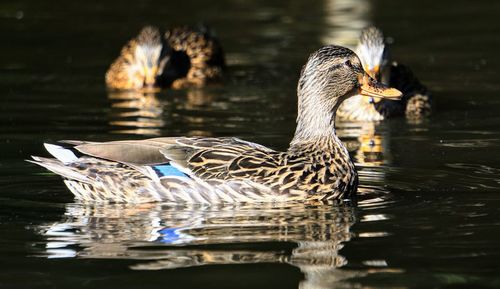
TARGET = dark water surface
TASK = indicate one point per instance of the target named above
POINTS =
(429, 214)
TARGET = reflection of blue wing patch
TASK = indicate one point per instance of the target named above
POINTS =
(169, 235)
(167, 170)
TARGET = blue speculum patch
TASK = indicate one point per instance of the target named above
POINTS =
(165, 170)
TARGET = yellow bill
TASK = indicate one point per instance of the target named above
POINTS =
(150, 75)
(373, 72)
(370, 87)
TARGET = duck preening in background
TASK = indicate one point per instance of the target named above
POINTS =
(316, 166)
(375, 57)
(182, 57)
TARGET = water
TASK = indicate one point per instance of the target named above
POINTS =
(428, 214)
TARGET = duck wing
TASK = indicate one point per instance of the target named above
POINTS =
(174, 170)
(207, 158)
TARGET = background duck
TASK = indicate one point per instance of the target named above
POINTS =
(140, 63)
(182, 57)
(316, 166)
(375, 57)
(196, 58)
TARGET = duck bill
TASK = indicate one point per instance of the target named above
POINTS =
(370, 87)
(373, 72)
(150, 78)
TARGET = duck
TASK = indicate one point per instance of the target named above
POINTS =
(374, 54)
(140, 63)
(316, 167)
(197, 58)
(182, 57)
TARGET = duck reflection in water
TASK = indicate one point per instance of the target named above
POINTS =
(136, 112)
(162, 237)
(147, 113)
(367, 142)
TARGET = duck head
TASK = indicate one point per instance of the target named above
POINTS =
(372, 51)
(331, 75)
(148, 56)
(334, 73)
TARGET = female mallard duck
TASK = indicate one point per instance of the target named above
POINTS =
(316, 166)
(185, 57)
(140, 63)
(374, 56)
(196, 58)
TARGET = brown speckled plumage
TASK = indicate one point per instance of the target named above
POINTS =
(180, 58)
(316, 166)
(140, 62)
(205, 55)
(416, 101)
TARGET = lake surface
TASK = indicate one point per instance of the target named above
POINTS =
(429, 209)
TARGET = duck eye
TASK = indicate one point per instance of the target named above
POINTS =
(348, 63)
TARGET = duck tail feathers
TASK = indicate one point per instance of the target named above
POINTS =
(64, 155)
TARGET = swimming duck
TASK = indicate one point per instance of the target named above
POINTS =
(374, 55)
(140, 63)
(196, 58)
(316, 166)
(183, 57)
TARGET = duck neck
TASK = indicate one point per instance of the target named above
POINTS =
(315, 123)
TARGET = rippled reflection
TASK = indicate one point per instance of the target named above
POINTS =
(136, 112)
(147, 113)
(368, 144)
(308, 237)
(369, 148)
(345, 19)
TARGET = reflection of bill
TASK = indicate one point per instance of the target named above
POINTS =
(308, 237)
(367, 145)
(370, 151)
